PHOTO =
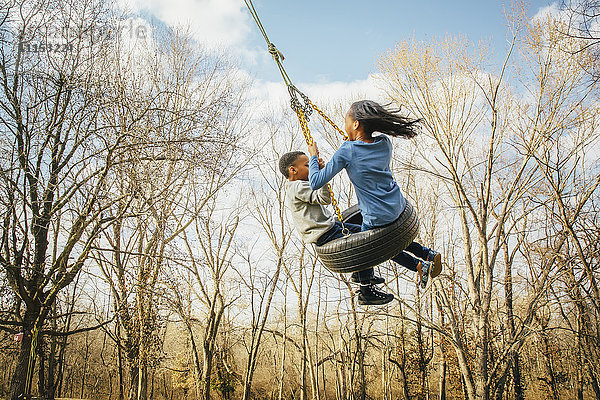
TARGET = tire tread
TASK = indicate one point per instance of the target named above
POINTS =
(366, 249)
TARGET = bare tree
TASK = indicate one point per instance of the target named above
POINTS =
(262, 283)
(57, 160)
(208, 271)
(581, 23)
(445, 86)
(570, 187)
(184, 150)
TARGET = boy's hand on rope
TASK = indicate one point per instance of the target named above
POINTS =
(321, 163)
(313, 150)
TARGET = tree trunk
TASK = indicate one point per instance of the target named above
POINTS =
(313, 376)
(284, 349)
(550, 378)
(133, 383)
(340, 368)
(442, 383)
(21, 380)
(258, 331)
(52, 379)
(303, 395)
(594, 382)
(422, 362)
(85, 360)
(198, 368)
(41, 371)
(120, 372)
(510, 318)
(120, 362)
(481, 364)
(517, 384)
(579, 385)
(443, 363)
(361, 369)
(143, 382)
(580, 357)
(206, 371)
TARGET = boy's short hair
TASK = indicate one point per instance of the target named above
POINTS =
(287, 160)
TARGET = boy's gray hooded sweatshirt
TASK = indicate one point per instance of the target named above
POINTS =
(310, 217)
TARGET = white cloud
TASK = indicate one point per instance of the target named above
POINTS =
(275, 93)
(214, 23)
(551, 11)
(576, 16)
(332, 91)
(226, 25)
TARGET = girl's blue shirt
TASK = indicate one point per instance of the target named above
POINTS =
(368, 166)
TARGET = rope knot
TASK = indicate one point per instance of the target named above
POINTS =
(275, 53)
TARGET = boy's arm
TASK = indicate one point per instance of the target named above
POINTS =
(306, 194)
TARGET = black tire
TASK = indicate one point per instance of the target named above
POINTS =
(366, 249)
(352, 215)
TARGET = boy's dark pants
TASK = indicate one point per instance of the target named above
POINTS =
(407, 258)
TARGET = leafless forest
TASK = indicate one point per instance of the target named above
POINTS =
(146, 252)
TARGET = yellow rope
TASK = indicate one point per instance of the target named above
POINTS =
(302, 110)
(309, 140)
(326, 118)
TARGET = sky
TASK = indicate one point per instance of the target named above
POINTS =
(331, 46)
(336, 40)
(328, 41)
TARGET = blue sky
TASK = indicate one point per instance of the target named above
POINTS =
(335, 40)
(329, 45)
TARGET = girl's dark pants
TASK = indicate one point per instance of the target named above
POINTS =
(411, 256)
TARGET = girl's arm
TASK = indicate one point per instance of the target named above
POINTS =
(319, 177)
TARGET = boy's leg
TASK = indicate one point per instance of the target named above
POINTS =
(337, 232)
(366, 276)
(353, 228)
(371, 295)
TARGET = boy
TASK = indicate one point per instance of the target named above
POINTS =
(316, 225)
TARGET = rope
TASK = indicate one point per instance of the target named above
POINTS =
(326, 118)
(303, 108)
(275, 53)
(309, 140)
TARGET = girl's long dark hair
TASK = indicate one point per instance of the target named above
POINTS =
(375, 118)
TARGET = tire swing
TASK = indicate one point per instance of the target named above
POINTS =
(357, 251)
(366, 249)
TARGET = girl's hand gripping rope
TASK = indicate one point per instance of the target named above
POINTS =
(313, 150)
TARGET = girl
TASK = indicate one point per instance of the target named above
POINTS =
(366, 159)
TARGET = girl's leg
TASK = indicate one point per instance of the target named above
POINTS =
(419, 250)
(422, 268)
(407, 260)
(427, 254)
